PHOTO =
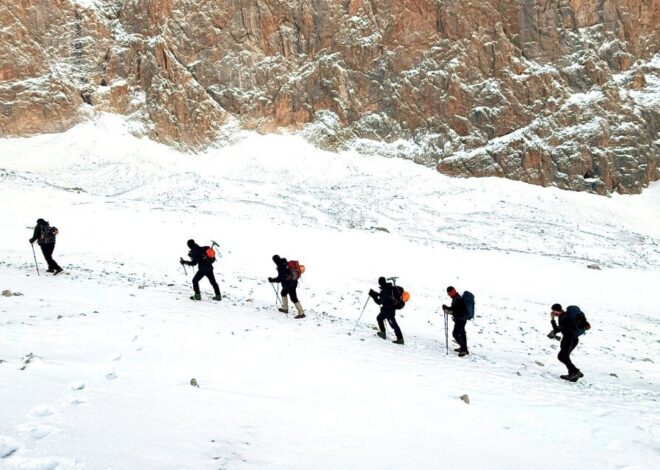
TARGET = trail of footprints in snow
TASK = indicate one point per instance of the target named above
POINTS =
(41, 423)
(112, 374)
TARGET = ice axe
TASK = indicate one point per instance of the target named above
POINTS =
(393, 279)
(214, 243)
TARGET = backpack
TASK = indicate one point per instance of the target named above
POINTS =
(209, 254)
(48, 234)
(295, 269)
(468, 298)
(399, 297)
(580, 318)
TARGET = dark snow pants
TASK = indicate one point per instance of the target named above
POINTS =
(459, 334)
(47, 249)
(289, 288)
(566, 347)
(208, 273)
(388, 314)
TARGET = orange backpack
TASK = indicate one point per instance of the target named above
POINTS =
(209, 254)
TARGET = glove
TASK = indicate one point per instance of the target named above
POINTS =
(270, 279)
(31, 241)
(553, 335)
(181, 261)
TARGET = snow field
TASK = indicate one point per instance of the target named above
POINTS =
(97, 361)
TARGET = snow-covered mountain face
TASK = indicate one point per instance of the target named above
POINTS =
(552, 92)
(96, 363)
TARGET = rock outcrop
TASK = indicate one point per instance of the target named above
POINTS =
(552, 92)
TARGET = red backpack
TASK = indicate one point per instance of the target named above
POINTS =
(295, 270)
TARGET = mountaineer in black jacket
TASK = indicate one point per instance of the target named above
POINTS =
(45, 236)
(204, 265)
(458, 311)
(387, 310)
(569, 329)
(289, 286)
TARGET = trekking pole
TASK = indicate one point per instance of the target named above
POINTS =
(358, 320)
(277, 297)
(447, 333)
(36, 265)
(183, 266)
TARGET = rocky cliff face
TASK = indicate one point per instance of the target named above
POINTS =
(552, 92)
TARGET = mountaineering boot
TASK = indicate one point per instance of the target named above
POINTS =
(57, 271)
(197, 296)
(457, 350)
(285, 305)
(217, 297)
(398, 341)
(301, 312)
(463, 353)
(50, 270)
(381, 334)
(573, 376)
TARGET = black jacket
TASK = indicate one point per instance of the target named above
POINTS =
(458, 309)
(43, 234)
(385, 298)
(567, 325)
(198, 258)
(283, 273)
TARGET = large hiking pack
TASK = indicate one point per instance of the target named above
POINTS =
(574, 312)
(208, 254)
(468, 298)
(295, 270)
(399, 297)
(48, 234)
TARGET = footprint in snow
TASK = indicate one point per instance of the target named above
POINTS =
(116, 357)
(75, 401)
(8, 447)
(41, 411)
(111, 376)
(36, 430)
(77, 386)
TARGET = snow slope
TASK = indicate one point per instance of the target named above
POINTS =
(96, 363)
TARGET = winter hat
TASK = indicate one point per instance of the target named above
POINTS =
(276, 258)
(449, 289)
(41, 221)
(557, 308)
(382, 281)
(191, 243)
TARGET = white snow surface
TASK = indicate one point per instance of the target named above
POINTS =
(96, 363)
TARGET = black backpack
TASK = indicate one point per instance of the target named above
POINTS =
(580, 318)
(468, 299)
(48, 234)
(397, 297)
